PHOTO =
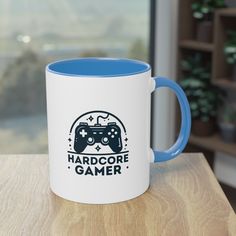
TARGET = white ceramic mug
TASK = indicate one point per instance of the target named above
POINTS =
(98, 113)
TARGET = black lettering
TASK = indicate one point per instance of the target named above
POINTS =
(88, 171)
(111, 160)
(99, 171)
(93, 160)
(119, 159)
(79, 170)
(126, 157)
(78, 160)
(109, 170)
(100, 161)
(86, 160)
(70, 158)
(117, 169)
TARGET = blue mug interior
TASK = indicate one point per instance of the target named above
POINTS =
(98, 67)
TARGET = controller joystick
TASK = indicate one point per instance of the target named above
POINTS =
(106, 135)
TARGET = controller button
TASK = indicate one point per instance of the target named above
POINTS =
(90, 139)
(94, 132)
(83, 123)
(112, 130)
(83, 133)
(109, 133)
(105, 140)
(113, 136)
(116, 132)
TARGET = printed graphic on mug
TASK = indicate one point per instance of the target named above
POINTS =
(98, 144)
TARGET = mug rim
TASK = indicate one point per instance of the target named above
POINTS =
(98, 67)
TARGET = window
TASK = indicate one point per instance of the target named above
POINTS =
(34, 33)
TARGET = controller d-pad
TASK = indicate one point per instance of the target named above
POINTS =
(83, 133)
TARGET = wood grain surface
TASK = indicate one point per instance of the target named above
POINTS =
(184, 198)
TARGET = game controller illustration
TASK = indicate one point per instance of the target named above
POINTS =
(109, 134)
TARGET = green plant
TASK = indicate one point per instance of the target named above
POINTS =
(230, 47)
(203, 9)
(203, 97)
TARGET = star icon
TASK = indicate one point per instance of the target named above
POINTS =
(90, 118)
(98, 148)
(69, 139)
(126, 139)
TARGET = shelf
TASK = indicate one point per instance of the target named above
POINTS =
(224, 19)
(213, 143)
(225, 83)
(229, 12)
(195, 45)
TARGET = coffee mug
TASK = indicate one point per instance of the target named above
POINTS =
(99, 112)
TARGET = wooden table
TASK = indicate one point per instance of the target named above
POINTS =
(184, 198)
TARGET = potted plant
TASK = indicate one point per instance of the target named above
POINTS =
(230, 51)
(203, 97)
(203, 12)
(227, 123)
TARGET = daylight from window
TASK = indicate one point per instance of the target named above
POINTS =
(34, 33)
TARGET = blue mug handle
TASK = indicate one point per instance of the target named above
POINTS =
(182, 140)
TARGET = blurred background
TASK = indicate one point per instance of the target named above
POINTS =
(190, 41)
(34, 33)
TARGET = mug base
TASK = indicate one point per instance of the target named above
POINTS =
(98, 202)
